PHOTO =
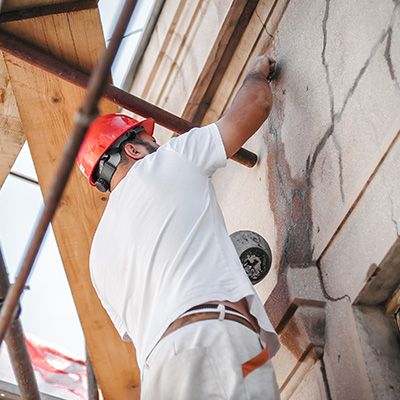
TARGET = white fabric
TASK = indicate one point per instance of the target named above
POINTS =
(222, 311)
(162, 247)
(203, 360)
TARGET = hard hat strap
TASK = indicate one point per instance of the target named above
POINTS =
(111, 158)
(107, 168)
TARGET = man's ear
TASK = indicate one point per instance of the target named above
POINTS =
(132, 151)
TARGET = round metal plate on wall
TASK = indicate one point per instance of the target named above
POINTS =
(254, 253)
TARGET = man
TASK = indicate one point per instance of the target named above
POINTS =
(162, 262)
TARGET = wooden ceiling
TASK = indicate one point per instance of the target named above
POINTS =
(41, 107)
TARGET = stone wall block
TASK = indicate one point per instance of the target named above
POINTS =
(351, 33)
(244, 202)
(343, 355)
(296, 309)
(380, 347)
(383, 280)
(299, 285)
(302, 336)
(392, 54)
(374, 114)
(312, 386)
(301, 111)
(329, 115)
(368, 234)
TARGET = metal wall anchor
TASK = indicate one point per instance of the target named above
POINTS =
(254, 253)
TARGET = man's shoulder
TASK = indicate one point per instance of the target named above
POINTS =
(202, 147)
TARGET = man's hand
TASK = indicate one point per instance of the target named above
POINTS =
(263, 65)
(250, 107)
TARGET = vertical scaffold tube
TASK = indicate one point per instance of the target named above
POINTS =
(87, 113)
(17, 349)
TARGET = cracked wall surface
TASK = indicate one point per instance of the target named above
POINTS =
(336, 113)
(329, 159)
(335, 116)
(325, 191)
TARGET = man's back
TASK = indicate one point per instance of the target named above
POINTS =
(162, 246)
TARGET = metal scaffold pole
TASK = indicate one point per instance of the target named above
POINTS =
(86, 114)
(47, 62)
(93, 392)
(16, 345)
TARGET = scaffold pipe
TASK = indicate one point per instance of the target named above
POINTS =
(17, 349)
(49, 63)
(87, 112)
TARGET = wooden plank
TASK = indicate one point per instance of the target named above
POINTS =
(39, 11)
(11, 135)
(47, 106)
(393, 303)
(11, 5)
(219, 57)
(179, 50)
(256, 40)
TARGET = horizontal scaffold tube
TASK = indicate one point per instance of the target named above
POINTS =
(87, 112)
(49, 63)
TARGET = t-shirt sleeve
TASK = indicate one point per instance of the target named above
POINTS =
(201, 146)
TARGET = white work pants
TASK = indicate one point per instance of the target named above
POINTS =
(203, 360)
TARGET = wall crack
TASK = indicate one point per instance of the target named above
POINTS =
(290, 196)
(339, 150)
(392, 216)
(335, 117)
(325, 291)
(388, 58)
(263, 25)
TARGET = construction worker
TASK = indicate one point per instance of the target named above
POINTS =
(162, 262)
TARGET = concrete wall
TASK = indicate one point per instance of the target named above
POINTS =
(325, 192)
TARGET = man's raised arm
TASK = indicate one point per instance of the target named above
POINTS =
(250, 107)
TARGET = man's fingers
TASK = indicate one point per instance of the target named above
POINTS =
(263, 64)
(273, 70)
(272, 65)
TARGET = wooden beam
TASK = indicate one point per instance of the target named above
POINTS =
(41, 11)
(393, 303)
(234, 25)
(47, 107)
(36, 57)
(256, 39)
(12, 5)
(11, 135)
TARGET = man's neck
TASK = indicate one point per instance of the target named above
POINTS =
(120, 174)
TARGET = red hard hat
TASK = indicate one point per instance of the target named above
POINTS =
(102, 133)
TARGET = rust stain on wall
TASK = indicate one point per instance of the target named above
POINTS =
(290, 202)
(290, 199)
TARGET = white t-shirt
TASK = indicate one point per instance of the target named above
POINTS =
(162, 247)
